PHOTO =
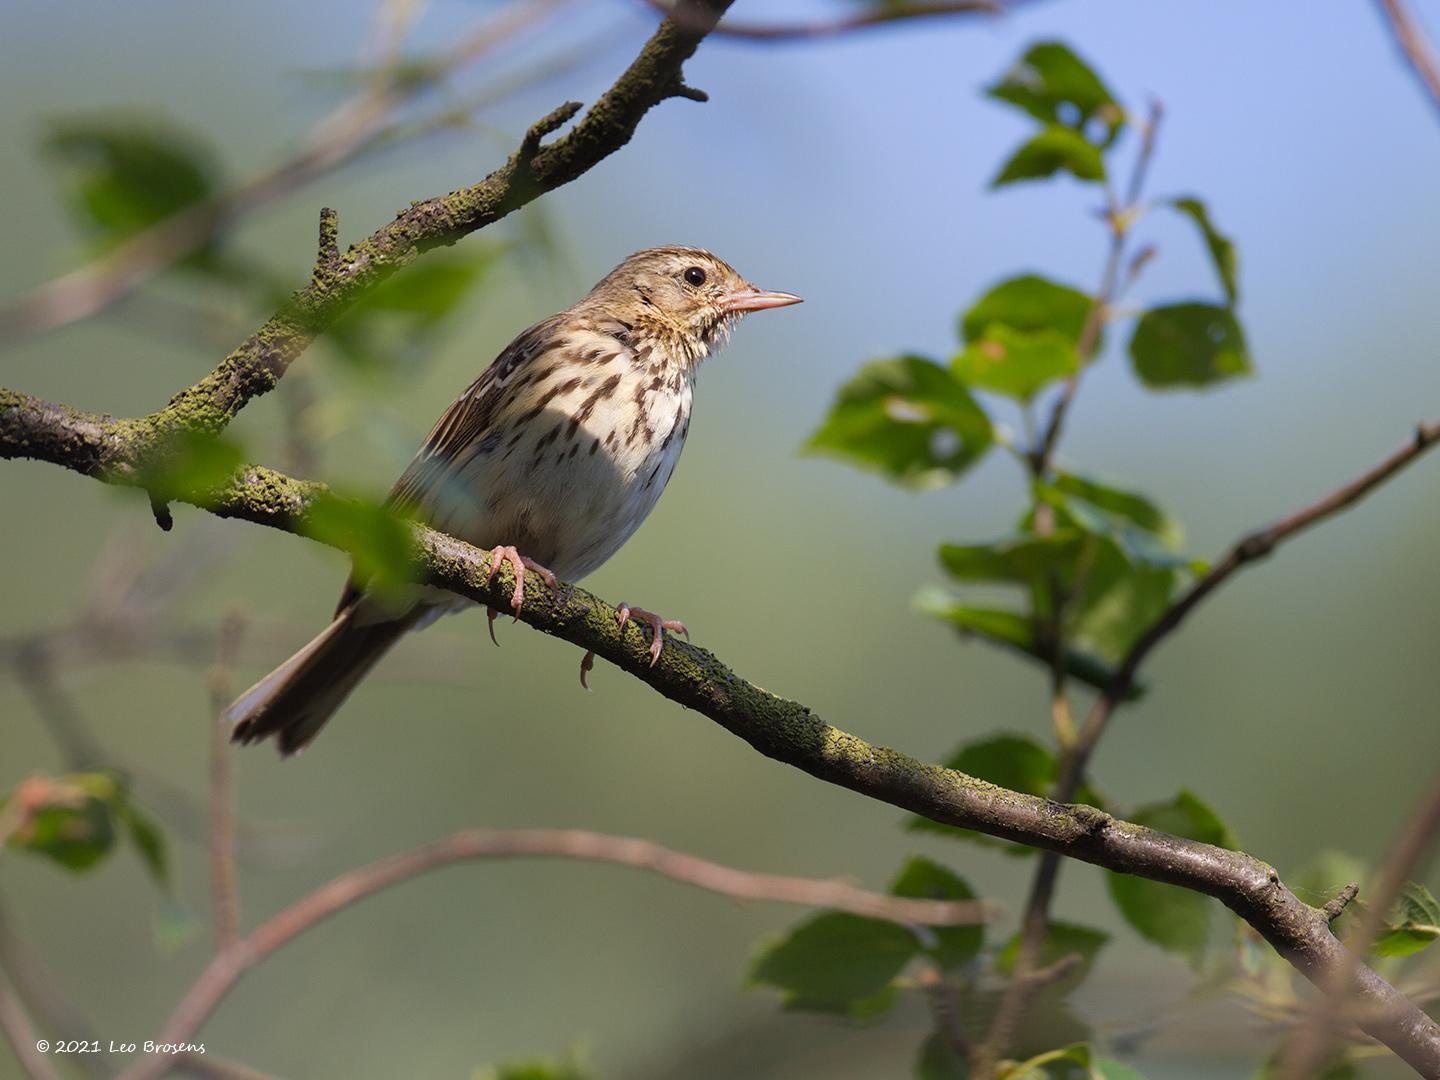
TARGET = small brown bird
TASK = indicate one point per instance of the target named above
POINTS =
(551, 459)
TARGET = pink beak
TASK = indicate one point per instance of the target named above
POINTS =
(752, 299)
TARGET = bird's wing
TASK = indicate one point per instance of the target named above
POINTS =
(460, 427)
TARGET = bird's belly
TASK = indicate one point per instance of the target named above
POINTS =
(566, 492)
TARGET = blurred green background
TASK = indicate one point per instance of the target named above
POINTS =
(1301, 702)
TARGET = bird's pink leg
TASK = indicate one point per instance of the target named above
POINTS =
(519, 563)
(657, 627)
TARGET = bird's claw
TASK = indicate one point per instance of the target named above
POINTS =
(519, 564)
(657, 625)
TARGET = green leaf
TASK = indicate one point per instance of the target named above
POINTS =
(1016, 364)
(380, 541)
(938, 1060)
(1188, 344)
(1173, 918)
(834, 961)
(1067, 1063)
(1018, 762)
(546, 1069)
(1061, 939)
(1028, 304)
(1015, 631)
(149, 841)
(68, 819)
(123, 174)
(429, 289)
(1019, 561)
(1053, 150)
(922, 879)
(1055, 86)
(1125, 505)
(910, 420)
(195, 465)
(1103, 1068)
(1221, 248)
(1411, 924)
(1335, 1067)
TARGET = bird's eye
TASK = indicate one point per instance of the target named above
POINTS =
(695, 276)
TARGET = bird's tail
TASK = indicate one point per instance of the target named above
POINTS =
(294, 701)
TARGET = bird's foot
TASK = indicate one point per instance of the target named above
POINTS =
(519, 563)
(657, 625)
(623, 614)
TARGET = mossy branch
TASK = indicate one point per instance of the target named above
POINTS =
(127, 452)
(784, 730)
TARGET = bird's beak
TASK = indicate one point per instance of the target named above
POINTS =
(752, 299)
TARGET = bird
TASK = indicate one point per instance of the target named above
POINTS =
(550, 460)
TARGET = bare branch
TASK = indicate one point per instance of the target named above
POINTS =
(233, 961)
(890, 14)
(1247, 550)
(1407, 852)
(224, 896)
(1413, 45)
(21, 1035)
(791, 732)
(354, 125)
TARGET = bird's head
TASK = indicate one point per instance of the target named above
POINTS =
(682, 293)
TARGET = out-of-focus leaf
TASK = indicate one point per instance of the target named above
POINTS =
(1411, 924)
(1015, 631)
(195, 464)
(1020, 561)
(1014, 761)
(1188, 344)
(1103, 1068)
(69, 819)
(1126, 505)
(1054, 149)
(1055, 86)
(126, 173)
(404, 312)
(909, 419)
(149, 841)
(1119, 599)
(380, 541)
(1028, 304)
(1014, 363)
(1067, 1063)
(938, 1060)
(1111, 598)
(834, 961)
(534, 1070)
(865, 1008)
(1061, 940)
(1336, 1067)
(430, 289)
(922, 879)
(1173, 918)
(1220, 246)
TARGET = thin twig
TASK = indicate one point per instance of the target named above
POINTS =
(1413, 45)
(232, 962)
(785, 730)
(1247, 550)
(1035, 921)
(223, 893)
(350, 128)
(21, 1034)
(1119, 218)
(889, 14)
(1407, 853)
(38, 990)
